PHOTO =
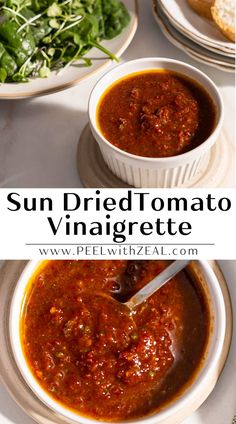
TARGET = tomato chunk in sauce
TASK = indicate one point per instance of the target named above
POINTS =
(156, 114)
(90, 356)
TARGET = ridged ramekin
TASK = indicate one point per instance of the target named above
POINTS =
(145, 172)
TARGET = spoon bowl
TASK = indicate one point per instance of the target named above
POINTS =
(159, 281)
(127, 309)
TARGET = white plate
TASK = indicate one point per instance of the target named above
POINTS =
(195, 26)
(186, 42)
(75, 73)
(197, 52)
(198, 41)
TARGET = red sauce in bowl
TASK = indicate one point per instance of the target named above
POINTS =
(156, 114)
(94, 359)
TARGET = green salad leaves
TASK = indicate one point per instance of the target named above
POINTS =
(38, 36)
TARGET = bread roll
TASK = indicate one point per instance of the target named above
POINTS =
(202, 7)
(223, 13)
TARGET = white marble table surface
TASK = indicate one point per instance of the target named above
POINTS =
(39, 137)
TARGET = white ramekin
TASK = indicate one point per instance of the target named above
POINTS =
(191, 398)
(139, 171)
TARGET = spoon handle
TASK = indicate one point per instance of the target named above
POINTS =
(156, 283)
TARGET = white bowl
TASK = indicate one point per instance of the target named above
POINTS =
(189, 400)
(145, 172)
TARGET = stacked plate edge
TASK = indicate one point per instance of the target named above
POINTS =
(208, 50)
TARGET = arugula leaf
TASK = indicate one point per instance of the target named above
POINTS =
(3, 74)
(39, 36)
(116, 17)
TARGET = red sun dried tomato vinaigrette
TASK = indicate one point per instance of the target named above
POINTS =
(91, 357)
(156, 114)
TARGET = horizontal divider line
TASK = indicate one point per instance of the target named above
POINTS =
(120, 244)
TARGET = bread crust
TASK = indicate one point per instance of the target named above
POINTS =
(228, 31)
(202, 7)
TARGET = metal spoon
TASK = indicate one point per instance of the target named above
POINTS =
(159, 281)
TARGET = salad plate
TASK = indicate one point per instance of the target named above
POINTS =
(194, 26)
(191, 48)
(76, 72)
